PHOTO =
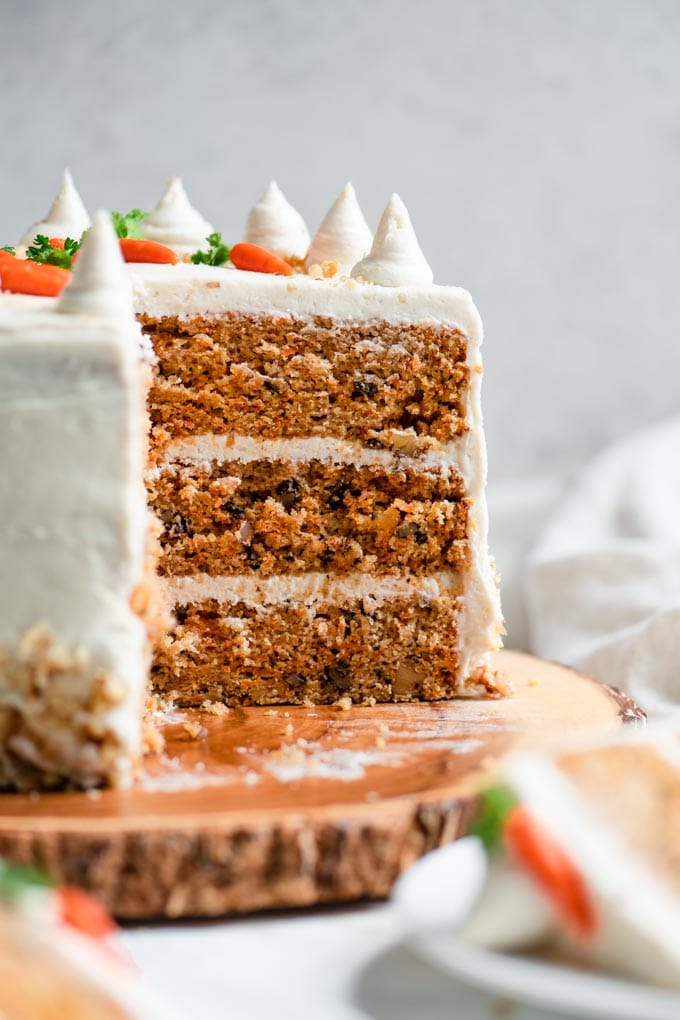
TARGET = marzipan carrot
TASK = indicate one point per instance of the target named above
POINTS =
(82, 911)
(258, 260)
(137, 249)
(21, 276)
(58, 242)
(550, 867)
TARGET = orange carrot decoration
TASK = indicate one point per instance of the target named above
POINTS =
(58, 242)
(82, 911)
(137, 249)
(552, 870)
(21, 276)
(258, 260)
(6, 256)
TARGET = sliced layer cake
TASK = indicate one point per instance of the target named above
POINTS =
(317, 453)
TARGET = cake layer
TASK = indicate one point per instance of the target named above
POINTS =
(279, 517)
(277, 377)
(316, 648)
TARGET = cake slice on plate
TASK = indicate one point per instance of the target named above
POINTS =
(584, 856)
(60, 958)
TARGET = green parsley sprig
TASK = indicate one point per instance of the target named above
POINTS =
(15, 878)
(41, 250)
(216, 255)
(128, 224)
(492, 811)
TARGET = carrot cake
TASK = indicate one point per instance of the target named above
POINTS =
(317, 465)
(584, 856)
(74, 650)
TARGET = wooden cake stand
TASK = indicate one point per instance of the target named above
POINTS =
(281, 807)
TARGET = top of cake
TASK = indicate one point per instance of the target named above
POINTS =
(342, 258)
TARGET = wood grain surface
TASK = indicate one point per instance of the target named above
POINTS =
(278, 807)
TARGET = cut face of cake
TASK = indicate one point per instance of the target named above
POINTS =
(60, 958)
(319, 470)
(74, 650)
(585, 857)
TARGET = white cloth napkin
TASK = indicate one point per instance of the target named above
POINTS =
(591, 567)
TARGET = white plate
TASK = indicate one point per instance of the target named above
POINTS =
(434, 896)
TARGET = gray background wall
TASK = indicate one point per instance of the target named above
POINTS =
(537, 145)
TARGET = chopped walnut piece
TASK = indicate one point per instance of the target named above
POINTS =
(195, 730)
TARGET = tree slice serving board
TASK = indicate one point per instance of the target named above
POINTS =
(279, 807)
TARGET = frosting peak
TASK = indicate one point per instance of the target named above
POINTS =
(99, 285)
(395, 259)
(67, 216)
(343, 235)
(274, 224)
(175, 223)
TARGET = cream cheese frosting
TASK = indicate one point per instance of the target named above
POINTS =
(73, 513)
(307, 588)
(186, 290)
(206, 449)
(395, 259)
(100, 285)
(67, 216)
(274, 224)
(175, 222)
(343, 236)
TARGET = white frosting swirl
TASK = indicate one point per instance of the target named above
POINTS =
(343, 235)
(100, 284)
(274, 224)
(175, 223)
(395, 259)
(67, 216)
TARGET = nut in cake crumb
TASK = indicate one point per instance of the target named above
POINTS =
(195, 730)
(215, 708)
(153, 741)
